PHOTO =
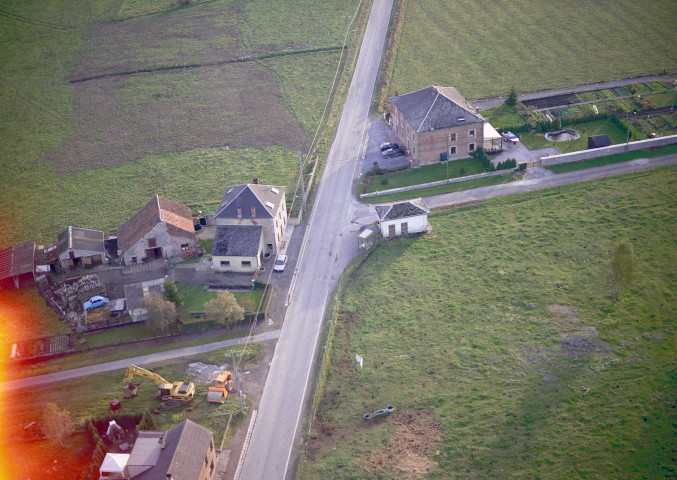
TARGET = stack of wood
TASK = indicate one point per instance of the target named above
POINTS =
(73, 295)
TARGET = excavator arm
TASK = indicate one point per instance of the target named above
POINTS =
(134, 370)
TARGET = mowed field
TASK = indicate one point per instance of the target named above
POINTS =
(485, 48)
(97, 114)
(496, 340)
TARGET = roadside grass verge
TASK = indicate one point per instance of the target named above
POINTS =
(485, 49)
(90, 397)
(451, 187)
(535, 140)
(611, 159)
(426, 174)
(497, 342)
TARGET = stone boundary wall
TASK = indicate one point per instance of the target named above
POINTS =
(438, 183)
(610, 150)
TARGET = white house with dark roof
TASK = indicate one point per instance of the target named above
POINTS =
(253, 204)
(161, 229)
(238, 248)
(403, 218)
(436, 124)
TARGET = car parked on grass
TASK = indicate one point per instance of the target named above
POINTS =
(511, 137)
(280, 263)
(387, 146)
(393, 152)
(95, 302)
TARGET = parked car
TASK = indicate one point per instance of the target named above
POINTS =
(511, 137)
(393, 152)
(387, 146)
(95, 302)
(198, 227)
(280, 263)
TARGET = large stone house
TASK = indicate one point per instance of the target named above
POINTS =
(184, 452)
(254, 204)
(436, 124)
(161, 229)
(403, 218)
(238, 248)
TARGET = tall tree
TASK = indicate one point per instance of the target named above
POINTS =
(224, 309)
(623, 268)
(57, 423)
(161, 313)
(512, 97)
(171, 292)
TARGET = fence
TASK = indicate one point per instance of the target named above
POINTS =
(610, 150)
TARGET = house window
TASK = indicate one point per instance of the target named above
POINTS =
(133, 259)
(185, 247)
(246, 263)
(452, 150)
(211, 468)
(253, 211)
(471, 133)
(239, 212)
(152, 242)
(225, 263)
(471, 147)
(452, 137)
(269, 246)
(405, 228)
(391, 230)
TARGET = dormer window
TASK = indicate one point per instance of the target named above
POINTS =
(269, 205)
(239, 212)
(275, 190)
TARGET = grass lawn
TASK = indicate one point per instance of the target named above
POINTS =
(426, 174)
(92, 153)
(24, 314)
(535, 140)
(88, 397)
(503, 116)
(195, 296)
(483, 49)
(451, 187)
(498, 344)
(598, 162)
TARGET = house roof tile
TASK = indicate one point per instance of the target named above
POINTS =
(17, 260)
(237, 240)
(263, 198)
(433, 108)
(76, 238)
(158, 210)
(394, 211)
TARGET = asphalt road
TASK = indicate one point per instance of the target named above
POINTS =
(326, 249)
(529, 184)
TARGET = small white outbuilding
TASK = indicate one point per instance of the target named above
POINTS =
(403, 218)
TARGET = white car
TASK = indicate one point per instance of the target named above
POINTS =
(280, 263)
(511, 137)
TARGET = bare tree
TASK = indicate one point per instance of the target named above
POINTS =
(161, 313)
(57, 424)
(623, 268)
(224, 309)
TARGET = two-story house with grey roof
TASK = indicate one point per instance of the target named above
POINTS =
(256, 205)
(436, 124)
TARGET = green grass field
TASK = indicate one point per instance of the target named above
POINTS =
(484, 49)
(611, 159)
(92, 153)
(496, 340)
(535, 140)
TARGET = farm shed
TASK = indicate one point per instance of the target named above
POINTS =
(135, 295)
(238, 248)
(254, 204)
(17, 266)
(436, 124)
(80, 247)
(403, 218)
(597, 141)
(161, 229)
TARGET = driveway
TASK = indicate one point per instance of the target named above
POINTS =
(521, 153)
(380, 132)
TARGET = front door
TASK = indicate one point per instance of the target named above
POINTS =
(391, 230)
(405, 228)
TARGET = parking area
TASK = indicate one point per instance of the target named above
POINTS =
(380, 132)
(521, 153)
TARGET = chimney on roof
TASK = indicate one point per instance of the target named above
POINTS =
(256, 181)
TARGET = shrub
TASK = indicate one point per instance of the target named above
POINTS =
(512, 97)
(384, 181)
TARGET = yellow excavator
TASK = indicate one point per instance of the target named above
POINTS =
(223, 384)
(182, 391)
